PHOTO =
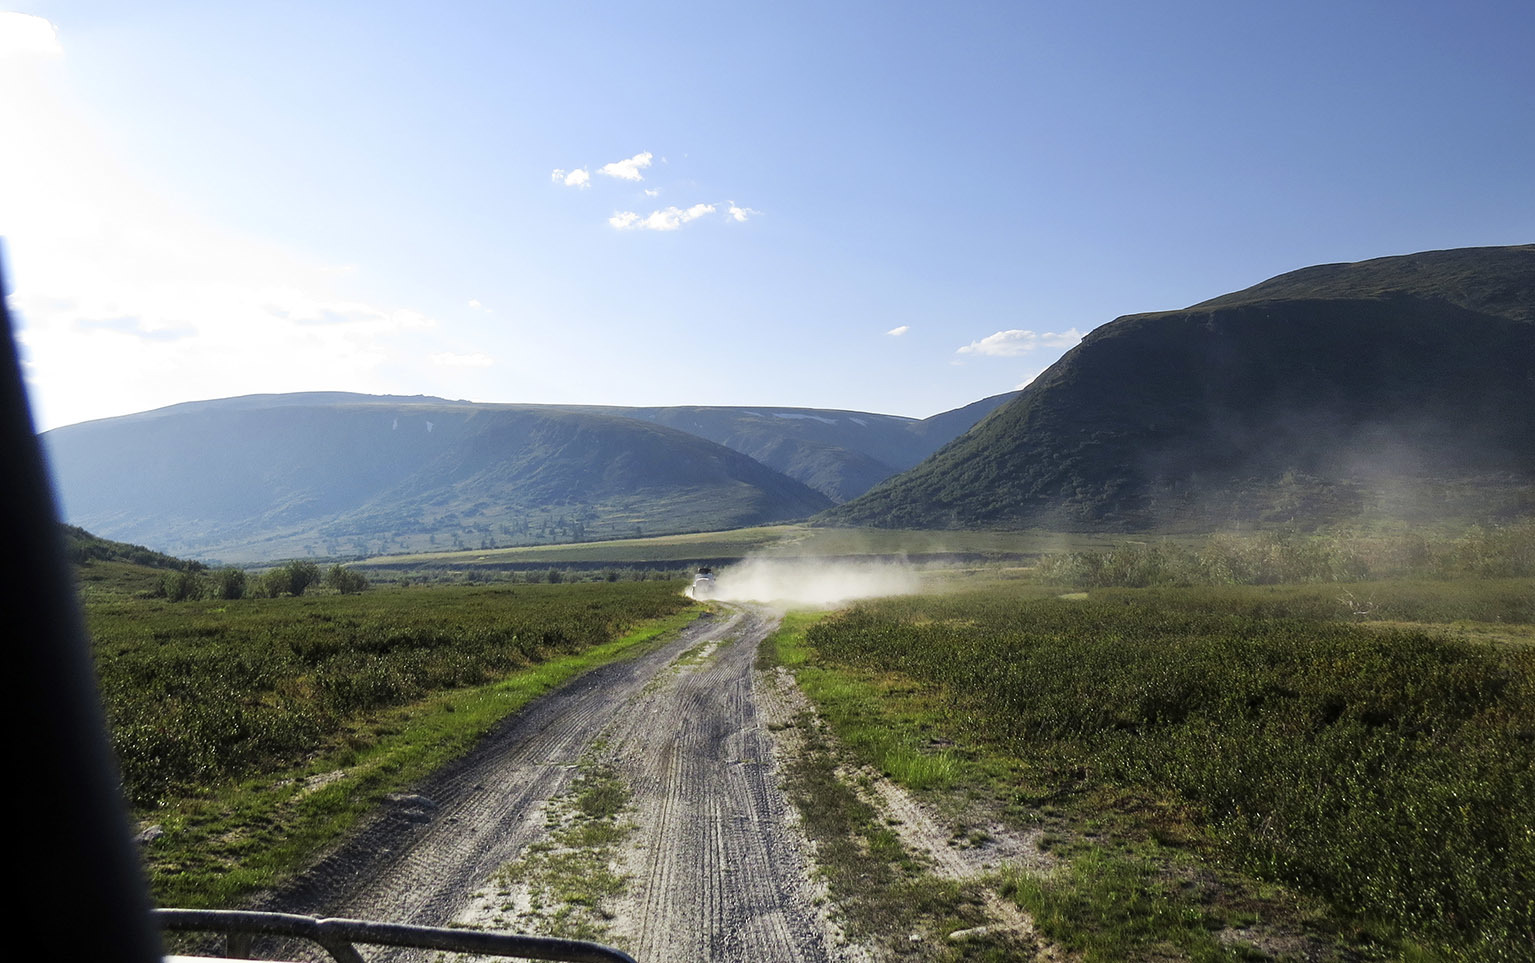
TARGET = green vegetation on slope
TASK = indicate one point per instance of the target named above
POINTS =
(83, 548)
(1388, 768)
(1494, 280)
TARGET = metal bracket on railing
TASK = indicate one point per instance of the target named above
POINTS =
(340, 937)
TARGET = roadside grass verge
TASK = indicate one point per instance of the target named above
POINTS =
(252, 822)
(1136, 879)
(1203, 757)
(884, 894)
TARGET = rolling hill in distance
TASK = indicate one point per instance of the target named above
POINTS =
(1397, 389)
(327, 473)
(1400, 388)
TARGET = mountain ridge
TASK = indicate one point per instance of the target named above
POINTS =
(1308, 397)
(261, 477)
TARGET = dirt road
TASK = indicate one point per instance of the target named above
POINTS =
(710, 867)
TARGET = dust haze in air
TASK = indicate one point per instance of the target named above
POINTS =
(813, 581)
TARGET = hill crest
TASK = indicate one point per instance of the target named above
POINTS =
(1305, 401)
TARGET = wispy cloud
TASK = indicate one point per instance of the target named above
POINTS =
(137, 328)
(579, 177)
(1018, 341)
(447, 359)
(738, 213)
(896, 332)
(628, 170)
(666, 219)
(23, 34)
(652, 192)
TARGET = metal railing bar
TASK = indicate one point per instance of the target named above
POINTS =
(338, 936)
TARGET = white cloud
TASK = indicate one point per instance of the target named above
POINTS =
(576, 178)
(1018, 341)
(898, 331)
(666, 219)
(741, 213)
(652, 192)
(447, 359)
(475, 303)
(22, 34)
(627, 170)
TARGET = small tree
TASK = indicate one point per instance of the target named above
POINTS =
(179, 585)
(278, 581)
(229, 583)
(344, 580)
(301, 575)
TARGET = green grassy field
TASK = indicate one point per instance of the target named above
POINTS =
(1342, 761)
(1212, 758)
(252, 733)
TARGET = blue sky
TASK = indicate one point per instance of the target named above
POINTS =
(201, 200)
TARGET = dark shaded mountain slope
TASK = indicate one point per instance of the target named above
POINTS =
(1395, 387)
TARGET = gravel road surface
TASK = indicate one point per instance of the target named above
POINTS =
(715, 868)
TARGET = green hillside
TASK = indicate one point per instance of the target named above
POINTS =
(264, 477)
(1397, 388)
(248, 482)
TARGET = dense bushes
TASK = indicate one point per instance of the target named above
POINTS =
(1390, 770)
(295, 578)
(198, 692)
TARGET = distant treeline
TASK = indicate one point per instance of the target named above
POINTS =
(1273, 558)
(294, 578)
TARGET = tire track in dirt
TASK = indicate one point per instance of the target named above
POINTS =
(423, 855)
(718, 874)
(716, 871)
